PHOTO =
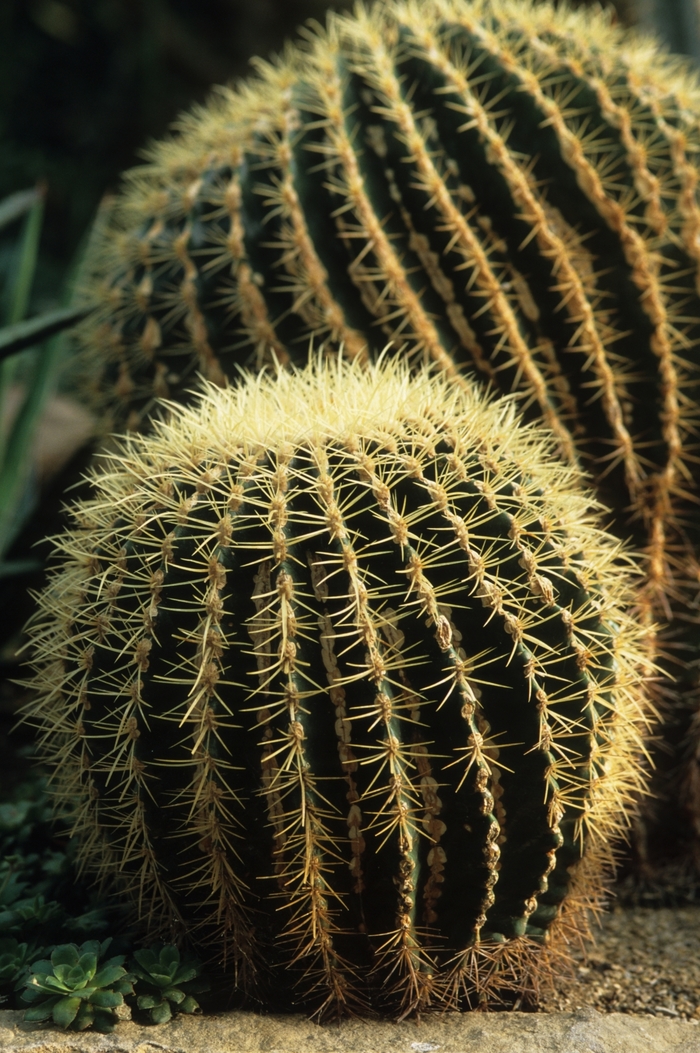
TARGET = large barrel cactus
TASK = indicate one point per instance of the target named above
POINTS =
(491, 185)
(337, 673)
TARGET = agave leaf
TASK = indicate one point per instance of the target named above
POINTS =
(104, 1020)
(85, 1016)
(21, 335)
(190, 1005)
(38, 1013)
(33, 993)
(108, 975)
(169, 958)
(148, 1001)
(56, 983)
(185, 973)
(146, 958)
(65, 954)
(158, 979)
(15, 205)
(96, 948)
(88, 960)
(174, 994)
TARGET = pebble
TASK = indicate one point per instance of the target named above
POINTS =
(645, 961)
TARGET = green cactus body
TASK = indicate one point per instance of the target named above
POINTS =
(337, 674)
(489, 185)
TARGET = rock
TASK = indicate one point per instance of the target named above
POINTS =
(585, 1031)
(62, 429)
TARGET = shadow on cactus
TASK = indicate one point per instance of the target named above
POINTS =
(491, 185)
(338, 670)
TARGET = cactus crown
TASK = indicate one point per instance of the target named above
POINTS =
(339, 669)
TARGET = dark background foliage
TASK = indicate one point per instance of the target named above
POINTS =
(85, 83)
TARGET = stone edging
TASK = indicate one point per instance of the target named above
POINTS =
(585, 1031)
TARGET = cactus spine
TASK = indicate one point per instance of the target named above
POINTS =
(339, 671)
(491, 185)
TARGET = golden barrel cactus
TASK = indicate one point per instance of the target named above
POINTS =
(337, 673)
(495, 186)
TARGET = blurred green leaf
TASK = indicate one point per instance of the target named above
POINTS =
(18, 290)
(14, 338)
(16, 497)
(15, 303)
(15, 206)
(19, 567)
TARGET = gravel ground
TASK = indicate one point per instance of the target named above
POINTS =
(644, 961)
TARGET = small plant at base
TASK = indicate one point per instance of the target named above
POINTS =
(167, 983)
(76, 989)
(15, 960)
(42, 900)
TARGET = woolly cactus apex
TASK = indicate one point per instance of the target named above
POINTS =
(339, 671)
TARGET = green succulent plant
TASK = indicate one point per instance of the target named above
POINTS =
(15, 961)
(42, 899)
(165, 983)
(77, 987)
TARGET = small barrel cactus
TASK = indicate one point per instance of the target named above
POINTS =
(487, 184)
(337, 673)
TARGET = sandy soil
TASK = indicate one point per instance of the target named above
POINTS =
(645, 961)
